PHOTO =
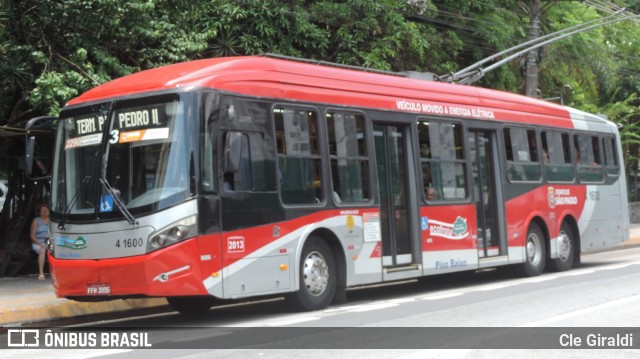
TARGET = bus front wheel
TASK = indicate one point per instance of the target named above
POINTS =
(535, 252)
(317, 277)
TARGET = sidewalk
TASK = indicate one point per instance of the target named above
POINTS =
(26, 299)
(634, 237)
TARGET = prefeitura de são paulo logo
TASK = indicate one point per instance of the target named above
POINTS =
(551, 197)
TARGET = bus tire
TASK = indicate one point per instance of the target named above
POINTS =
(535, 253)
(318, 277)
(566, 249)
(191, 306)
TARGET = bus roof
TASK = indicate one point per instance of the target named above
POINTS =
(299, 81)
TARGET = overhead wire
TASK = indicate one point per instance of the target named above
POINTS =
(449, 18)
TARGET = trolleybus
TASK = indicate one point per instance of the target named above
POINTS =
(255, 176)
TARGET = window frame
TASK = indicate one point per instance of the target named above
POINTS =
(616, 159)
(366, 158)
(513, 162)
(583, 167)
(569, 164)
(464, 161)
(318, 156)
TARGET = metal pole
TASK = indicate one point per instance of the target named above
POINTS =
(531, 81)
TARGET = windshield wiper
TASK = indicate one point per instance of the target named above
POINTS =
(114, 193)
(118, 202)
(65, 214)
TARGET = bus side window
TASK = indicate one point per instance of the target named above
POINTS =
(588, 162)
(558, 166)
(299, 161)
(442, 160)
(349, 160)
(521, 147)
(240, 180)
(610, 156)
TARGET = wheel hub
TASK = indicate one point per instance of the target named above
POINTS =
(564, 246)
(533, 249)
(316, 273)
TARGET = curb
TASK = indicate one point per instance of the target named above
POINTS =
(626, 246)
(65, 309)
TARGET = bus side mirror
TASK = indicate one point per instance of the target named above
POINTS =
(30, 145)
(232, 152)
(41, 123)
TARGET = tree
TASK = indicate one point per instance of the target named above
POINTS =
(626, 114)
(53, 51)
(60, 49)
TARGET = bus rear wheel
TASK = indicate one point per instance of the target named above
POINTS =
(317, 277)
(535, 253)
(191, 305)
(566, 250)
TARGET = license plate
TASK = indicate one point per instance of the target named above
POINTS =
(99, 289)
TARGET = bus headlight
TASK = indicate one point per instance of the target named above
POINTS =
(158, 241)
(180, 231)
(173, 233)
(49, 244)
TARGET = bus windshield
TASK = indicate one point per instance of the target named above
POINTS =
(144, 162)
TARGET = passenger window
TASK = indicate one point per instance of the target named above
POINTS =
(557, 163)
(349, 159)
(610, 156)
(522, 152)
(442, 160)
(299, 167)
(587, 158)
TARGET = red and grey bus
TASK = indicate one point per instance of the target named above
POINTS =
(252, 176)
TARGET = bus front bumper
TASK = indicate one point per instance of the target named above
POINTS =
(172, 271)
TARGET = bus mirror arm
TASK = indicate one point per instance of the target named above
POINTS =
(42, 122)
(232, 152)
(30, 144)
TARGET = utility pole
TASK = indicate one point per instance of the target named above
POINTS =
(531, 81)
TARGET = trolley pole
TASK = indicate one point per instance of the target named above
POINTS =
(531, 82)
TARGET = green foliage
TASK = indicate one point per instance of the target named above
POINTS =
(626, 114)
(56, 50)
(51, 51)
(579, 61)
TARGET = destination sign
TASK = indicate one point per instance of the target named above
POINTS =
(89, 124)
(140, 117)
(129, 125)
(84, 131)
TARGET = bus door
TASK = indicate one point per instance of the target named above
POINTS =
(391, 165)
(487, 193)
